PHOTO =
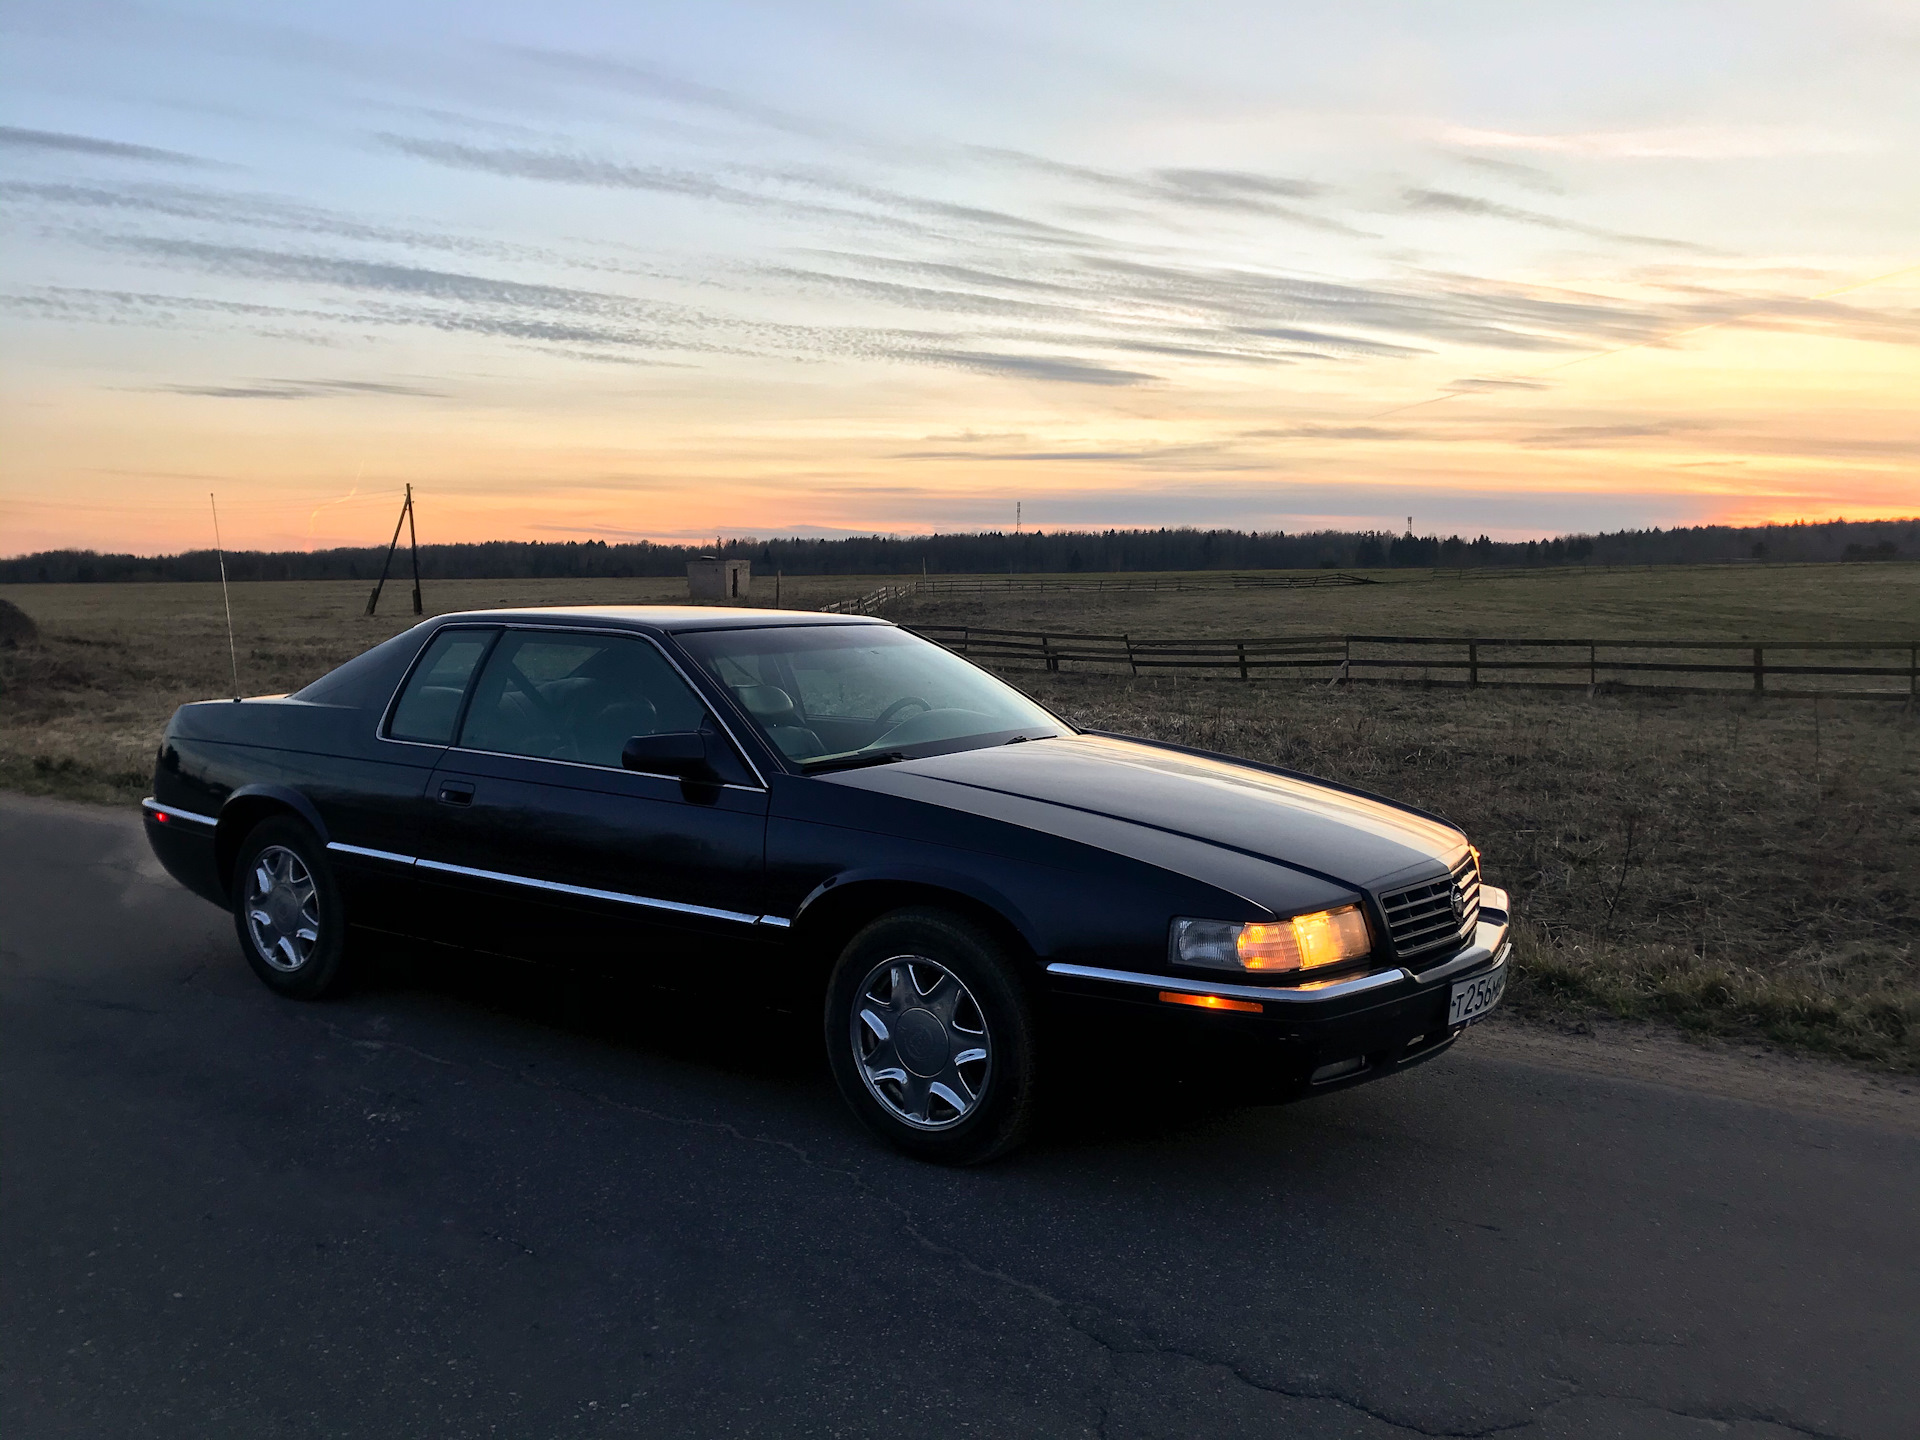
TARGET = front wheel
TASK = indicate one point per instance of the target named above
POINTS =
(931, 1037)
(287, 910)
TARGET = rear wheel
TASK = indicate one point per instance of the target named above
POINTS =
(931, 1036)
(287, 910)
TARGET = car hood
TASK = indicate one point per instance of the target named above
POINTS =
(1298, 822)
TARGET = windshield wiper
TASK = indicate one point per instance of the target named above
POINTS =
(1023, 739)
(854, 762)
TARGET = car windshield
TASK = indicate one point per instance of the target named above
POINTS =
(832, 695)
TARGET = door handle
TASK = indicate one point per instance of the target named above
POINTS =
(456, 792)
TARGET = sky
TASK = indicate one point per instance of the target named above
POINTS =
(668, 271)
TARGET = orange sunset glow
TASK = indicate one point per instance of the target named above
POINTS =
(616, 277)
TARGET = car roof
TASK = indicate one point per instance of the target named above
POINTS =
(660, 617)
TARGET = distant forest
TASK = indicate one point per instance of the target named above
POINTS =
(1053, 552)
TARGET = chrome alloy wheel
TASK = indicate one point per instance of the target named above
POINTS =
(920, 1041)
(283, 909)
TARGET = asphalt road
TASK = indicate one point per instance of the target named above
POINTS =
(465, 1203)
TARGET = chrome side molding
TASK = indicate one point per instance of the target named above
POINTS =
(174, 812)
(365, 854)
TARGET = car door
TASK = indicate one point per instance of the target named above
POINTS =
(374, 799)
(545, 847)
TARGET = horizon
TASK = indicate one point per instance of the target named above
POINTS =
(832, 270)
(736, 544)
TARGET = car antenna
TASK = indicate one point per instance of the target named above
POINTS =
(233, 655)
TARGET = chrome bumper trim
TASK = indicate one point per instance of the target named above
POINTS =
(1490, 942)
(1272, 994)
(174, 812)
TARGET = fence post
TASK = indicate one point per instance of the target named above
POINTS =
(1913, 674)
(1593, 666)
(1241, 648)
(1759, 671)
(1052, 662)
(1473, 662)
(1132, 668)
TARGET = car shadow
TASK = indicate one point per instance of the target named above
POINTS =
(1102, 1092)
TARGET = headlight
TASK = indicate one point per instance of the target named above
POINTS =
(1306, 942)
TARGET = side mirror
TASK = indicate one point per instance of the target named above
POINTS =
(678, 752)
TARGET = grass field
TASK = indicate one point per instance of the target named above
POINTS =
(1708, 602)
(1734, 866)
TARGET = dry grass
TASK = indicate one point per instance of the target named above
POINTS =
(82, 710)
(1730, 866)
(1738, 868)
(1870, 601)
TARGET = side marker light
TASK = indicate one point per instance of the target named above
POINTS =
(1211, 1002)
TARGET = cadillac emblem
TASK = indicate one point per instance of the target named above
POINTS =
(1459, 903)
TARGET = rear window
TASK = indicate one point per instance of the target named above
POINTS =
(429, 707)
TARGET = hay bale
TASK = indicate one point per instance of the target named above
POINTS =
(16, 626)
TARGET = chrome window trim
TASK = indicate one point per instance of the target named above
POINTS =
(1276, 994)
(587, 892)
(369, 854)
(386, 715)
(589, 765)
(174, 812)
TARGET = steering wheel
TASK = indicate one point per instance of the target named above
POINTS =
(885, 717)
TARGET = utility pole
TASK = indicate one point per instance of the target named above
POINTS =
(220, 552)
(413, 544)
(413, 550)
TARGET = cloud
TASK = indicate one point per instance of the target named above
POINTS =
(1336, 432)
(1680, 142)
(1530, 176)
(299, 390)
(251, 262)
(1151, 455)
(16, 139)
(1449, 201)
(1037, 367)
(1235, 187)
(567, 168)
(633, 79)
(1475, 384)
(1581, 437)
(1178, 189)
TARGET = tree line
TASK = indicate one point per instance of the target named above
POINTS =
(1051, 552)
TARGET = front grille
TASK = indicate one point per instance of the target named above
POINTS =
(1420, 917)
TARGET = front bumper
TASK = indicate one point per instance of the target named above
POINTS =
(1311, 1037)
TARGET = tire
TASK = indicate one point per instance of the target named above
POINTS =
(292, 930)
(932, 1038)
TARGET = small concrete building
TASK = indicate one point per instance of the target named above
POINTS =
(709, 578)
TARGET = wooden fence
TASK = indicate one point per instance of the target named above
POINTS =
(1807, 668)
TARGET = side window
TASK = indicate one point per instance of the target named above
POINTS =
(575, 697)
(430, 704)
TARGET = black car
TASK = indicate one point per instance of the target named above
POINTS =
(829, 808)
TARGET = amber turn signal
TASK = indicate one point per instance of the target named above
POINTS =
(1210, 1002)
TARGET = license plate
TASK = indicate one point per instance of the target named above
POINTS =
(1473, 998)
